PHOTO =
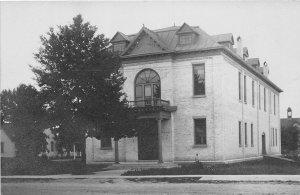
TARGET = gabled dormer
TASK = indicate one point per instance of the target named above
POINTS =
(119, 42)
(186, 35)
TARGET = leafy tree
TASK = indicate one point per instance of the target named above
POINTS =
(24, 109)
(82, 83)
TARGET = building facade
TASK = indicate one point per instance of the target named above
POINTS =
(199, 93)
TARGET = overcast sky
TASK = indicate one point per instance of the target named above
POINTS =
(270, 30)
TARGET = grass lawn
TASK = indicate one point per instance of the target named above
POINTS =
(15, 166)
(257, 167)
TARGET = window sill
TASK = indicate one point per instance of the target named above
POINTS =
(246, 146)
(106, 148)
(252, 145)
(240, 101)
(199, 96)
(240, 146)
(200, 146)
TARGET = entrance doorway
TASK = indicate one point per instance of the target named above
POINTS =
(263, 142)
(148, 140)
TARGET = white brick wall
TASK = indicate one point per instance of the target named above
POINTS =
(220, 106)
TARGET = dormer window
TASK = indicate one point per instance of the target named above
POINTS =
(119, 47)
(186, 34)
(185, 39)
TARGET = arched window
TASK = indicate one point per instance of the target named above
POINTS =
(147, 85)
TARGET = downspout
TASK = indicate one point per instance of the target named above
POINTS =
(257, 122)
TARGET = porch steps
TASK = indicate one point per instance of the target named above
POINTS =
(141, 165)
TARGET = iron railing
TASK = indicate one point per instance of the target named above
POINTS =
(149, 103)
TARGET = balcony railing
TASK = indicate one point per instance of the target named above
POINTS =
(149, 103)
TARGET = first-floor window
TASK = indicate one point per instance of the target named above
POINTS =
(252, 135)
(276, 137)
(106, 142)
(200, 131)
(2, 147)
(246, 143)
(240, 133)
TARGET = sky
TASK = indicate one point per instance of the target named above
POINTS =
(270, 30)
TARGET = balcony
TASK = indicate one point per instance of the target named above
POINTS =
(153, 108)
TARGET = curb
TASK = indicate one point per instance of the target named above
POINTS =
(208, 178)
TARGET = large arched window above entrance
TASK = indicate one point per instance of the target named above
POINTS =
(147, 85)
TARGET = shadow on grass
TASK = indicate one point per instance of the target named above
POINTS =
(40, 166)
(257, 167)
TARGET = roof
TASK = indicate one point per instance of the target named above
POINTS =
(228, 37)
(165, 40)
(9, 130)
(253, 61)
(289, 122)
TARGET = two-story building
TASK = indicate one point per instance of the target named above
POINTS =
(199, 93)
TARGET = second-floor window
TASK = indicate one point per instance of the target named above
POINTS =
(240, 86)
(253, 100)
(259, 97)
(245, 89)
(199, 79)
(274, 104)
(265, 100)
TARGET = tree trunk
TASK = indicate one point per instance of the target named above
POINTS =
(83, 152)
(117, 152)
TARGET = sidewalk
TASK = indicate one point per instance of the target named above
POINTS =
(116, 174)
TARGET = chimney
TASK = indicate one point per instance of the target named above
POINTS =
(265, 69)
(289, 112)
(239, 47)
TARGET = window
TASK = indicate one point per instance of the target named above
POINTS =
(240, 133)
(259, 98)
(119, 47)
(276, 137)
(246, 142)
(274, 104)
(265, 106)
(199, 79)
(252, 144)
(240, 86)
(245, 89)
(253, 101)
(200, 131)
(147, 85)
(186, 39)
(2, 147)
(273, 136)
(51, 146)
(106, 143)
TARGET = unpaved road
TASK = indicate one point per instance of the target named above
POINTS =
(94, 186)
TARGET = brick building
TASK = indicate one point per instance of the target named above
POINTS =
(201, 94)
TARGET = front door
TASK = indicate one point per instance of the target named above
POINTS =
(148, 141)
(263, 142)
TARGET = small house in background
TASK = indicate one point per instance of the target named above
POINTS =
(289, 123)
(51, 144)
(8, 149)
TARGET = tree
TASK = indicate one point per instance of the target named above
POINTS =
(81, 79)
(24, 109)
